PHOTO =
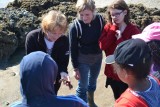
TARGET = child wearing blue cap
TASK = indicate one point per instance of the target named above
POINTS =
(132, 61)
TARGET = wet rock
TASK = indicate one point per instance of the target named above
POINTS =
(143, 16)
(156, 12)
(14, 25)
(22, 16)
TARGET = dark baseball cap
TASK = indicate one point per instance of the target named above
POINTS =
(130, 52)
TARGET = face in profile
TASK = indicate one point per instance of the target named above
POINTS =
(54, 35)
(119, 71)
(117, 15)
(86, 16)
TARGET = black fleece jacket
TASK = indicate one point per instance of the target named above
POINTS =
(60, 52)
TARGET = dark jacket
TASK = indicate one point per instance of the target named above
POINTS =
(60, 52)
(38, 71)
(87, 42)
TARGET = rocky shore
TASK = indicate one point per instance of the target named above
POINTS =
(21, 16)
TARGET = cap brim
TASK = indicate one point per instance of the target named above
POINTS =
(110, 59)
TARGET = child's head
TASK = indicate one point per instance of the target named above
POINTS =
(118, 11)
(86, 10)
(54, 24)
(38, 71)
(151, 35)
(133, 56)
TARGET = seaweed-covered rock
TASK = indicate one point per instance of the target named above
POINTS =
(22, 16)
(143, 16)
(8, 44)
(15, 24)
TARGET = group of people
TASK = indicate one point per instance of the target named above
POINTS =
(131, 57)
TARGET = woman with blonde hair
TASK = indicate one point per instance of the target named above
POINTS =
(50, 39)
(86, 55)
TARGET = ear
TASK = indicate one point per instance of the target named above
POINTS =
(125, 12)
(126, 74)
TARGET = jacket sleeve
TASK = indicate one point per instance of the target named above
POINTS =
(63, 59)
(73, 45)
(107, 37)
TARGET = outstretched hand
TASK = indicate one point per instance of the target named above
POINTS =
(66, 80)
(76, 74)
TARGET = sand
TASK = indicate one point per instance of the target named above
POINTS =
(9, 84)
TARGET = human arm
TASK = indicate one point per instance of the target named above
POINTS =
(107, 37)
(73, 40)
(61, 46)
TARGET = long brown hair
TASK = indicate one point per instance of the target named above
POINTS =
(120, 5)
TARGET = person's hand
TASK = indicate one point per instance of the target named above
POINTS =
(76, 74)
(66, 79)
(118, 34)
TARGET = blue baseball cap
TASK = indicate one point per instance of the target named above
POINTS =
(130, 52)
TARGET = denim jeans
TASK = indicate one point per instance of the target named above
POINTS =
(89, 74)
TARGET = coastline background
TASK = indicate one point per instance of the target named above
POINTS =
(9, 78)
(103, 3)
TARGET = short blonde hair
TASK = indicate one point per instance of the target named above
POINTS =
(54, 19)
(85, 4)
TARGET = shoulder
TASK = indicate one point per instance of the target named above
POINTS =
(73, 99)
(98, 17)
(108, 25)
(133, 26)
(130, 99)
(72, 26)
(63, 40)
(153, 79)
(34, 32)
(111, 27)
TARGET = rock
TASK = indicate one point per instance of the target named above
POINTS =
(12, 73)
(7, 103)
(15, 24)
(22, 16)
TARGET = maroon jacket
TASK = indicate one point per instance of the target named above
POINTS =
(108, 43)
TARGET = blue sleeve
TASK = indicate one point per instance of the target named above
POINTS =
(71, 101)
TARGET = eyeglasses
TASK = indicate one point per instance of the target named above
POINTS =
(116, 14)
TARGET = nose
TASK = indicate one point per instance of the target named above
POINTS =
(84, 18)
